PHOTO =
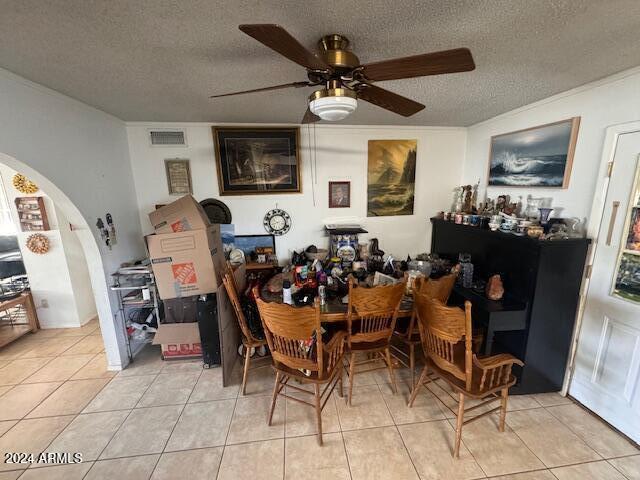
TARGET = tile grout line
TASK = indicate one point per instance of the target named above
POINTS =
(76, 415)
(344, 444)
(226, 438)
(507, 426)
(174, 425)
(407, 450)
(595, 417)
(618, 470)
(184, 406)
(53, 416)
(558, 466)
(24, 382)
(449, 422)
(33, 373)
(395, 425)
(117, 429)
(585, 463)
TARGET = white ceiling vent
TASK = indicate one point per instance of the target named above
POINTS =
(167, 138)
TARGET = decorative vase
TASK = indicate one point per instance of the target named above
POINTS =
(544, 214)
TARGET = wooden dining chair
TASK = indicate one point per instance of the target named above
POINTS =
(407, 335)
(249, 340)
(299, 352)
(446, 336)
(371, 319)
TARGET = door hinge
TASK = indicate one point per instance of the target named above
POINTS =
(609, 169)
(587, 271)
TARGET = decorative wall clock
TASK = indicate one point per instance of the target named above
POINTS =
(277, 222)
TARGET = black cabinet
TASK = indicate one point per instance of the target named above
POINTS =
(534, 321)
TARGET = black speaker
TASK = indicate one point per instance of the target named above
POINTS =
(207, 314)
(180, 310)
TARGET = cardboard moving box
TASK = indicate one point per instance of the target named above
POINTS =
(187, 263)
(178, 340)
(183, 215)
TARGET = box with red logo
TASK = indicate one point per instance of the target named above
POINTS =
(178, 340)
(187, 263)
(183, 215)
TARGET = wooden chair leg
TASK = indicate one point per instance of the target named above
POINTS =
(459, 422)
(245, 374)
(352, 371)
(416, 386)
(340, 392)
(318, 414)
(412, 363)
(394, 386)
(503, 408)
(276, 386)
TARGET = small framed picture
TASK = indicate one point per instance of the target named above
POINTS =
(339, 194)
(178, 176)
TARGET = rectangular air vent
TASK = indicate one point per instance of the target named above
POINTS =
(160, 138)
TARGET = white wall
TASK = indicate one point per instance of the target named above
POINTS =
(341, 154)
(610, 101)
(79, 156)
(50, 275)
(85, 304)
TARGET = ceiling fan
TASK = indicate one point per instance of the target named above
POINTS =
(345, 80)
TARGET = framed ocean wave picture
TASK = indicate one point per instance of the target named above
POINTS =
(535, 157)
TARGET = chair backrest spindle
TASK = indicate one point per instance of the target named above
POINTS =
(446, 335)
(293, 334)
(231, 286)
(372, 312)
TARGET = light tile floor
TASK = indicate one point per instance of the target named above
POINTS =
(162, 420)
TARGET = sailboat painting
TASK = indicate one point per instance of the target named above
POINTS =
(391, 176)
(536, 157)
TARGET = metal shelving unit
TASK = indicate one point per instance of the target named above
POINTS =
(130, 285)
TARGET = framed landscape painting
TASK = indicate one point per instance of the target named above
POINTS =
(535, 157)
(257, 160)
(391, 174)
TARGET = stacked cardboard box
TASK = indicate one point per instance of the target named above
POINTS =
(187, 259)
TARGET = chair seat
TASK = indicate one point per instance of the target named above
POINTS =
(253, 343)
(460, 386)
(402, 336)
(313, 377)
(369, 346)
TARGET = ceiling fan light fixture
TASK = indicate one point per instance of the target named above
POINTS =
(333, 104)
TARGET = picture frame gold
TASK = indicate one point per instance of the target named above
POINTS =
(241, 174)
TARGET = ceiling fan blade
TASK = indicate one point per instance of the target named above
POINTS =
(277, 38)
(266, 89)
(310, 117)
(435, 63)
(388, 100)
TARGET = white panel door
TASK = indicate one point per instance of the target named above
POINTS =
(607, 365)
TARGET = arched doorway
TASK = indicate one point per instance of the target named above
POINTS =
(114, 341)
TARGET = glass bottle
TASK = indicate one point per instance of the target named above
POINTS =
(466, 269)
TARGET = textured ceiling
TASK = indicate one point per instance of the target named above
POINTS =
(154, 60)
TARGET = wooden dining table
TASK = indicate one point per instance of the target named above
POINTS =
(10, 331)
(333, 310)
